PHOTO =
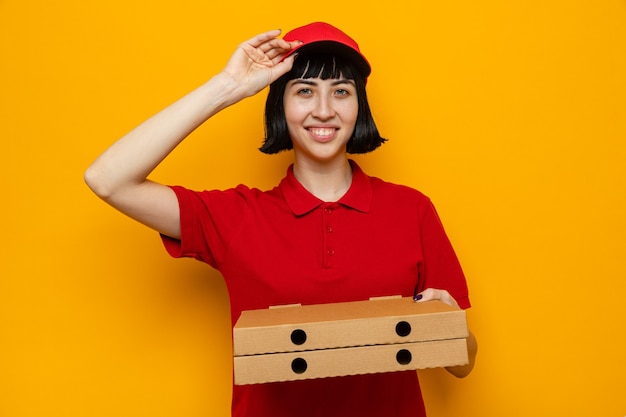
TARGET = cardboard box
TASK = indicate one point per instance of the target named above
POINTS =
(326, 340)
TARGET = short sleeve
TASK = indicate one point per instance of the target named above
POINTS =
(208, 220)
(441, 268)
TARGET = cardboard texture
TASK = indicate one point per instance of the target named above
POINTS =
(326, 340)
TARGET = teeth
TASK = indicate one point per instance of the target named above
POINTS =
(322, 132)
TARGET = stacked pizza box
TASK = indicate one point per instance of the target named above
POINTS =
(359, 337)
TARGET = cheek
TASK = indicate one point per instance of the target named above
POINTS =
(349, 112)
(292, 119)
(292, 112)
(295, 115)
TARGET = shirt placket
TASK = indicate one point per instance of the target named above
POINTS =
(328, 229)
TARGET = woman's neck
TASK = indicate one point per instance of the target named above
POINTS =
(328, 181)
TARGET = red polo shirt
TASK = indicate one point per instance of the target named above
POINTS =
(286, 246)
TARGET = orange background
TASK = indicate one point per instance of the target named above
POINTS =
(511, 116)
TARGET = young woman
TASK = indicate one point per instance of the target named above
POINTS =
(326, 233)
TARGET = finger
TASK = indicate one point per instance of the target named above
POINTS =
(274, 43)
(277, 48)
(262, 38)
(282, 67)
(426, 295)
(279, 56)
(430, 294)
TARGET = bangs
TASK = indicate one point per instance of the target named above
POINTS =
(322, 66)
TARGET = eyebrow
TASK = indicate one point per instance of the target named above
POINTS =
(310, 81)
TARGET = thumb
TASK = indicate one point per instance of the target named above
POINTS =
(283, 67)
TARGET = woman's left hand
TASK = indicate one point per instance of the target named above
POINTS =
(472, 346)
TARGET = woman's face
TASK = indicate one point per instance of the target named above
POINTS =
(321, 115)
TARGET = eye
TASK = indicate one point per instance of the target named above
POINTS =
(344, 92)
(305, 91)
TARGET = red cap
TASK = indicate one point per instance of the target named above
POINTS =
(322, 37)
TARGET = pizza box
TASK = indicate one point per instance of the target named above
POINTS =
(358, 337)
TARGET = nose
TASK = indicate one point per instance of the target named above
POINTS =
(324, 108)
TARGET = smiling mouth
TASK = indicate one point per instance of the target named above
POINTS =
(322, 132)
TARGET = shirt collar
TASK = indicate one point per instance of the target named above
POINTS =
(301, 201)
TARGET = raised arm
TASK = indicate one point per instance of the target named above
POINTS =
(120, 175)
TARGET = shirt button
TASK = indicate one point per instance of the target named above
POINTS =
(329, 229)
(331, 252)
(328, 210)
